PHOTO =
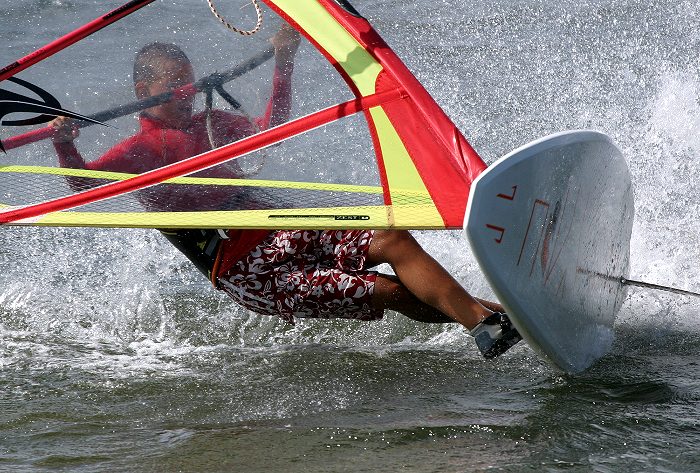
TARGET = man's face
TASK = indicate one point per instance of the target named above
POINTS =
(172, 75)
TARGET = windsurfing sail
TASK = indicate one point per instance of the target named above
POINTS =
(346, 138)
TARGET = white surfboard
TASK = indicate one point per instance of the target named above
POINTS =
(550, 225)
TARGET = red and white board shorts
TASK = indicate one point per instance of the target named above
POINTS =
(306, 273)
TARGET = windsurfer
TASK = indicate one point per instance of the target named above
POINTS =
(290, 274)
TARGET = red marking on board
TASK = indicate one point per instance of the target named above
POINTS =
(561, 284)
(548, 234)
(559, 241)
(500, 230)
(541, 241)
(527, 232)
(508, 197)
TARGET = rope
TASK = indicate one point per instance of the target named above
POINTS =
(233, 28)
(226, 96)
(208, 105)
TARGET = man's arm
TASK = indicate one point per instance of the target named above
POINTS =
(68, 154)
(286, 43)
(117, 159)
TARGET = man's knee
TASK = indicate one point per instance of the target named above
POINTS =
(391, 244)
(393, 236)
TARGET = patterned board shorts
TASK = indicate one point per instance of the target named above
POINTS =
(306, 273)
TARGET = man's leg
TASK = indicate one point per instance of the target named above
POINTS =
(424, 290)
(390, 293)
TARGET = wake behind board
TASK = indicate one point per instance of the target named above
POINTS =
(550, 225)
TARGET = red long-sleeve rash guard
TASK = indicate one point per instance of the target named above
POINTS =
(155, 146)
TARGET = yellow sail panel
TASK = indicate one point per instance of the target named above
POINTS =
(359, 65)
(311, 218)
(193, 181)
(402, 177)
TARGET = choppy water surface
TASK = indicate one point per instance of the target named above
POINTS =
(116, 356)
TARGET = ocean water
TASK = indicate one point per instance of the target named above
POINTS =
(115, 355)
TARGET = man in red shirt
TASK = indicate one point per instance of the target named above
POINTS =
(289, 273)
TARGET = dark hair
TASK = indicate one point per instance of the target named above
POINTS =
(147, 60)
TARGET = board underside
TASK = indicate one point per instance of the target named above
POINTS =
(550, 225)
